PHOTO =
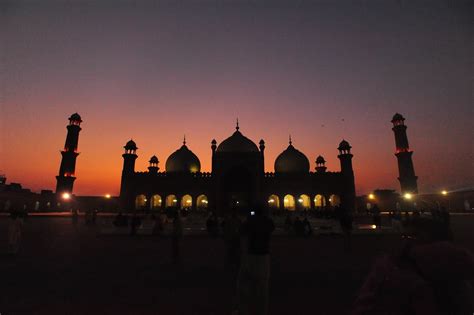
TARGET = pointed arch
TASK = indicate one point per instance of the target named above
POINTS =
(289, 202)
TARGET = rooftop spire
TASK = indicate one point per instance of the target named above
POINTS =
(184, 140)
(237, 125)
(289, 140)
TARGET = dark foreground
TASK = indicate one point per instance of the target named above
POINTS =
(62, 269)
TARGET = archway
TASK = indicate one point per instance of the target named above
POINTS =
(140, 202)
(238, 188)
(274, 202)
(319, 201)
(334, 200)
(186, 202)
(289, 202)
(304, 202)
(171, 201)
(156, 202)
(202, 202)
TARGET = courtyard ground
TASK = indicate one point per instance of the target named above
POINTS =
(67, 269)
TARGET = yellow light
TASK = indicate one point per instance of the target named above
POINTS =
(66, 196)
(271, 201)
(175, 200)
(373, 226)
(407, 196)
(371, 196)
(107, 196)
(188, 201)
(444, 192)
(286, 200)
(300, 200)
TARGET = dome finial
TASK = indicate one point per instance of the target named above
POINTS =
(184, 139)
(237, 125)
(289, 140)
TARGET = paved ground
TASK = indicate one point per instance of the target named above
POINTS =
(63, 269)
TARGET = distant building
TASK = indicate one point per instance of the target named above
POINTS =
(237, 179)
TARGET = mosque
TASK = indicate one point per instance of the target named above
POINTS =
(237, 179)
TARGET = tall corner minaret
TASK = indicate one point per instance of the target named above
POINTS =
(128, 169)
(66, 178)
(403, 153)
(345, 157)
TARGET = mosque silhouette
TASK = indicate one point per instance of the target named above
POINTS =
(237, 179)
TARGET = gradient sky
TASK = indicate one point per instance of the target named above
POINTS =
(153, 71)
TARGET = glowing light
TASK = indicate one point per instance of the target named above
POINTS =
(330, 199)
(371, 196)
(66, 196)
(444, 192)
(285, 200)
(175, 200)
(237, 202)
(188, 201)
(271, 201)
(300, 200)
(408, 196)
(107, 196)
(373, 226)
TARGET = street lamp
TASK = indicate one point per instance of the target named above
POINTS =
(444, 192)
(107, 196)
(408, 196)
(371, 196)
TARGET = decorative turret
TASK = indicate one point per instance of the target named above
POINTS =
(320, 164)
(406, 170)
(129, 157)
(345, 157)
(153, 165)
(66, 178)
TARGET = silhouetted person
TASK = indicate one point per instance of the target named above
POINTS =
(212, 225)
(74, 217)
(345, 220)
(298, 227)
(134, 224)
(14, 232)
(376, 216)
(231, 230)
(254, 275)
(307, 230)
(119, 220)
(176, 236)
(428, 276)
(288, 223)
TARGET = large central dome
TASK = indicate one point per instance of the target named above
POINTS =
(291, 161)
(237, 143)
(183, 160)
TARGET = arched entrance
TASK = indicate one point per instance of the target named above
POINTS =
(238, 188)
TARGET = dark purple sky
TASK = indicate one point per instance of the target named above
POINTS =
(154, 71)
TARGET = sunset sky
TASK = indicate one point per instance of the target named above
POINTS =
(318, 70)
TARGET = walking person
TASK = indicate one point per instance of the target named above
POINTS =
(14, 232)
(231, 229)
(176, 236)
(254, 274)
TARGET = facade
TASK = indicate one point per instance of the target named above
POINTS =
(406, 170)
(237, 179)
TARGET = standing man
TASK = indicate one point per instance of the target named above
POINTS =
(254, 275)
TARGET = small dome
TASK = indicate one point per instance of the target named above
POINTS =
(344, 145)
(183, 160)
(320, 160)
(154, 159)
(75, 117)
(398, 117)
(291, 161)
(131, 145)
(237, 143)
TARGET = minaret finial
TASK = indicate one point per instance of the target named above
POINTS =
(237, 125)
(289, 140)
(184, 140)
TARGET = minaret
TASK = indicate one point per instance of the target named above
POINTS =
(65, 179)
(128, 170)
(403, 153)
(345, 156)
